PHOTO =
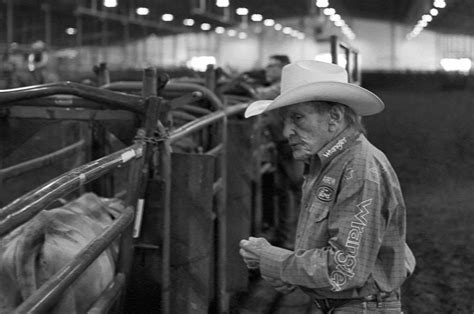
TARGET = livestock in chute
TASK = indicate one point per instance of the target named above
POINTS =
(34, 252)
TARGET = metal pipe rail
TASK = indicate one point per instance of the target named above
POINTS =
(171, 89)
(42, 161)
(103, 97)
(27, 206)
(24, 208)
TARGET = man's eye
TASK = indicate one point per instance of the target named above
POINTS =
(297, 117)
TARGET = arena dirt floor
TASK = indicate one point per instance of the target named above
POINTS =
(431, 146)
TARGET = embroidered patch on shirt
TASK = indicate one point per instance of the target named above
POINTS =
(325, 193)
(328, 180)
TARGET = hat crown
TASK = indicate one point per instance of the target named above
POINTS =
(308, 71)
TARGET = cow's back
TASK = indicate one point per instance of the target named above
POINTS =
(52, 239)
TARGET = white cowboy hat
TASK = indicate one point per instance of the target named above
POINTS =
(309, 80)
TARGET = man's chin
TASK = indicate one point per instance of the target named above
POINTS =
(299, 155)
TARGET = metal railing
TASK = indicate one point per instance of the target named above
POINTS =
(26, 207)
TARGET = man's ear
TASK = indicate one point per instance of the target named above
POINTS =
(336, 118)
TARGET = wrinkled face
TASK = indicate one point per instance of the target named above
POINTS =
(273, 70)
(307, 130)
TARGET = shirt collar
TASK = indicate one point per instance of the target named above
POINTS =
(337, 145)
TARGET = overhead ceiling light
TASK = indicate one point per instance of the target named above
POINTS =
(110, 3)
(434, 12)
(322, 3)
(242, 35)
(340, 23)
(220, 30)
(143, 11)
(222, 3)
(205, 26)
(269, 22)
(427, 18)
(167, 17)
(231, 32)
(335, 17)
(287, 30)
(439, 4)
(188, 22)
(242, 11)
(277, 27)
(329, 11)
(71, 31)
(256, 17)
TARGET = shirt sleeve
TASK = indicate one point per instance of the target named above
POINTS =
(356, 227)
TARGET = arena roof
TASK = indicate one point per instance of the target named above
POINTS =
(29, 17)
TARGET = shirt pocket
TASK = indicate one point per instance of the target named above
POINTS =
(318, 211)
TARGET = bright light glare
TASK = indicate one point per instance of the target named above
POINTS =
(143, 11)
(188, 22)
(340, 23)
(439, 4)
(167, 17)
(427, 18)
(434, 12)
(71, 31)
(458, 65)
(329, 11)
(269, 22)
(322, 3)
(335, 17)
(205, 26)
(256, 17)
(287, 30)
(231, 32)
(220, 30)
(200, 63)
(110, 3)
(242, 35)
(278, 27)
(242, 11)
(222, 3)
(326, 57)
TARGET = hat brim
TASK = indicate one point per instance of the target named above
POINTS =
(361, 100)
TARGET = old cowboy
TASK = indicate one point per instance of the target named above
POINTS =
(350, 252)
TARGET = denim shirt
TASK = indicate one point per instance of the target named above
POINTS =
(350, 239)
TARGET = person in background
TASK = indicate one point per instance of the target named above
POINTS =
(288, 175)
(350, 252)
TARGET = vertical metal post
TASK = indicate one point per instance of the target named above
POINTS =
(139, 171)
(103, 39)
(10, 21)
(257, 195)
(47, 23)
(334, 48)
(222, 296)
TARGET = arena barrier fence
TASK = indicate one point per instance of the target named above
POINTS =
(150, 160)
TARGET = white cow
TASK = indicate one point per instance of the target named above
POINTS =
(34, 252)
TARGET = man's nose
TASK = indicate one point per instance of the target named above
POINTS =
(287, 129)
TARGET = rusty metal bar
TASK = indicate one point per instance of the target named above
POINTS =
(165, 176)
(54, 113)
(102, 96)
(26, 207)
(205, 121)
(222, 295)
(215, 150)
(172, 87)
(108, 296)
(42, 161)
(139, 172)
(49, 293)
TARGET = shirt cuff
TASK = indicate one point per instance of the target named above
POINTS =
(271, 259)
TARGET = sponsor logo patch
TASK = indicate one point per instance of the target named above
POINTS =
(325, 193)
(328, 180)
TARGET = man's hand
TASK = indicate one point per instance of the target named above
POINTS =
(251, 250)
